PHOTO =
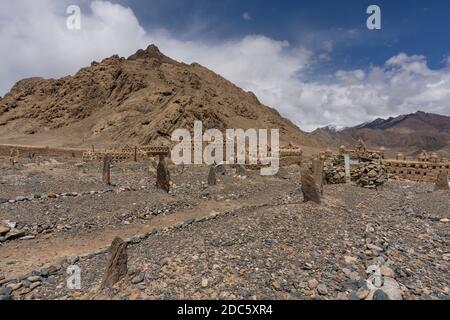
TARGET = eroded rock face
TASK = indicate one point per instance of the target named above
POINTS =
(162, 175)
(139, 100)
(310, 189)
(118, 263)
(442, 181)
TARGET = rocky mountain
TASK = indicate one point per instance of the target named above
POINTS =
(136, 100)
(406, 133)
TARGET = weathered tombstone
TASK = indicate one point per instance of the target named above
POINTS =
(152, 168)
(14, 156)
(348, 177)
(317, 167)
(117, 265)
(162, 175)
(442, 181)
(282, 173)
(107, 170)
(220, 169)
(240, 170)
(309, 188)
(212, 179)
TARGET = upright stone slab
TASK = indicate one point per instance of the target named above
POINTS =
(117, 265)
(240, 170)
(442, 181)
(220, 169)
(212, 179)
(106, 178)
(317, 167)
(348, 176)
(310, 189)
(162, 175)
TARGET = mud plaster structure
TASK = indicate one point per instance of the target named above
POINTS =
(127, 153)
(425, 168)
(289, 154)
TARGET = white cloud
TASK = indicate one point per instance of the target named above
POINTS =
(246, 16)
(37, 41)
(328, 45)
(39, 44)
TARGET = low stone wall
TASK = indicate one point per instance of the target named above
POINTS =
(368, 173)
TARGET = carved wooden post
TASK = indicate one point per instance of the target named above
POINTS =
(107, 170)
(117, 265)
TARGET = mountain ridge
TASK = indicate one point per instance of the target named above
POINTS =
(410, 134)
(141, 99)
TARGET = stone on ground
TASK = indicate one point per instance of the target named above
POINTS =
(442, 181)
(162, 175)
(118, 263)
(317, 167)
(106, 178)
(240, 170)
(212, 179)
(310, 189)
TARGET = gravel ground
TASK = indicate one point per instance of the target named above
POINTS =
(84, 203)
(360, 244)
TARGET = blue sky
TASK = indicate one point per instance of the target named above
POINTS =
(413, 27)
(314, 61)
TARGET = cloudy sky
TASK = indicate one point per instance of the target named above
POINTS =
(315, 61)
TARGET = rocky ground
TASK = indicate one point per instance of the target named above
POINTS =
(246, 238)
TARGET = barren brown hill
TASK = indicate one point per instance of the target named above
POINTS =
(409, 134)
(138, 100)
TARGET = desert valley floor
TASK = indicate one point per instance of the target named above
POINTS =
(248, 237)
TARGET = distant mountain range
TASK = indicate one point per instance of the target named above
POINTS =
(410, 134)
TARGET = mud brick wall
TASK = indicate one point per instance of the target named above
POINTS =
(142, 153)
(415, 170)
(288, 160)
(25, 151)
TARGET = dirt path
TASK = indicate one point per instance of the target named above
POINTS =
(20, 257)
